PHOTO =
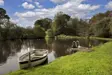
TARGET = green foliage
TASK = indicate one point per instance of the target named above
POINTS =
(110, 26)
(39, 31)
(102, 28)
(68, 31)
(45, 23)
(82, 37)
(99, 25)
(3, 15)
(60, 22)
(28, 33)
(54, 27)
(11, 32)
(78, 26)
(73, 23)
(49, 33)
(100, 16)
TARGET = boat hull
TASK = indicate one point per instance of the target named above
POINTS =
(36, 62)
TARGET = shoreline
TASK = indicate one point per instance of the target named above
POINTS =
(97, 62)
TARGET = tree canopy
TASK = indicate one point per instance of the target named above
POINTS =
(45, 23)
(99, 25)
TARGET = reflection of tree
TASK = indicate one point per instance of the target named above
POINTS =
(9, 48)
(97, 42)
(37, 44)
(4, 52)
(49, 42)
(60, 47)
(40, 44)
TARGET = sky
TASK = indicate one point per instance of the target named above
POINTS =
(26, 12)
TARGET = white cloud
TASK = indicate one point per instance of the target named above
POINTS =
(73, 8)
(25, 15)
(29, 0)
(88, 7)
(1, 2)
(38, 5)
(26, 5)
(14, 20)
(109, 5)
(58, 1)
(22, 22)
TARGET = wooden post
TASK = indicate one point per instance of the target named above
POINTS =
(29, 62)
(88, 40)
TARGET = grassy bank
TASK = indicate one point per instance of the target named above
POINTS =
(77, 37)
(98, 62)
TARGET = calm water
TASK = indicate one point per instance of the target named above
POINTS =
(10, 51)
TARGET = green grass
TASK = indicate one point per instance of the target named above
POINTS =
(78, 37)
(97, 62)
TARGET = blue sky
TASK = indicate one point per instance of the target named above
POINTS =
(25, 12)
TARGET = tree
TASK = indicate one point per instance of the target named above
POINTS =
(60, 22)
(4, 20)
(3, 16)
(101, 28)
(100, 16)
(39, 31)
(45, 23)
(78, 27)
(2, 13)
(61, 19)
(73, 23)
(82, 28)
(101, 24)
(49, 33)
(110, 26)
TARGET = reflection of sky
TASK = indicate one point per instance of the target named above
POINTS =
(24, 50)
(11, 65)
(51, 56)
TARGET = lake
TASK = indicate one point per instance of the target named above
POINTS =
(10, 51)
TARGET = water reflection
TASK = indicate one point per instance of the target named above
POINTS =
(98, 42)
(51, 56)
(11, 50)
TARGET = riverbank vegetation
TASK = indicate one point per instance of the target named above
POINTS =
(82, 37)
(100, 25)
(97, 62)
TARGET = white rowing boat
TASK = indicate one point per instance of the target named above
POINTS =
(33, 58)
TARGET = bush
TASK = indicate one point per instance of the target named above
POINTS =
(101, 28)
(49, 33)
(39, 31)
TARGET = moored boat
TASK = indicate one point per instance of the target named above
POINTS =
(33, 58)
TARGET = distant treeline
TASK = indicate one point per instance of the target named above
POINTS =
(99, 25)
